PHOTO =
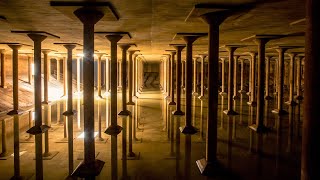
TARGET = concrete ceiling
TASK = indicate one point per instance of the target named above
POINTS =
(153, 24)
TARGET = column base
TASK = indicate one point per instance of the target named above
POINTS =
(188, 130)
(230, 112)
(49, 155)
(252, 103)
(280, 112)
(178, 113)
(259, 129)
(267, 97)
(131, 103)
(124, 113)
(203, 97)
(113, 130)
(46, 102)
(172, 103)
(195, 94)
(69, 113)
(4, 156)
(242, 91)
(291, 103)
(210, 169)
(38, 129)
(299, 98)
(14, 112)
(223, 94)
(88, 170)
(235, 97)
(133, 156)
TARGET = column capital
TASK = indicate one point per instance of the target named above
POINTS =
(178, 47)
(114, 38)
(46, 51)
(2, 51)
(37, 37)
(131, 52)
(125, 46)
(172, 52)
(88, 15)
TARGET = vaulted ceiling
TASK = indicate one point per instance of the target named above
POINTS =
(153, 24)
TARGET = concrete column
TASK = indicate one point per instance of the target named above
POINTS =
(202, 96)
(15, 78)
(222, 93)
(250, 79)
(124, 111)
(173, 53)
(188, 128)
(108, 77)
(267, 95)
(38, 129)
(291, 101)
(65, 79)
(3, 69)
(195, 93)
(183, 68)
(299, 67)
(114, 129)
(99, 75)
(30, 79)
(259, 127)
(120, 75)
(169, 76)
(89, 17)
(45, 76)
(58, 69)
(230, 110)
(253, 101)
(78, 75)
(4, 153)
(242, 91)
(207, 164)
(131, 76)
(310, 156)
(135, 76)
(280, 82)
(179, 48)
(275, 78)
(235, 78)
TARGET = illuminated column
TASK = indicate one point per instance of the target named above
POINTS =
(119, 75)
(253, 101)
(275, 77)
(235, 78)
(242, 91)
(99, 75)
(114, 129)
(299, 67)
(280, 82)
(202, 96)
(30, 69)
(267, 96)
(134, 85)
(130, 76)
(231, 50)
(15, 78)
(78, 75)
(179, 48)
(65, 80)
(195, 93)
(310, 156)
(90, 167)
(173, 53)
(189, 39)
(183, 68)
(38, 129)
(124, 48)
(223, 93)
(58, 69)
(107, 76)
(3, 69)
(291, 101)
(45, 75)
(169, 76)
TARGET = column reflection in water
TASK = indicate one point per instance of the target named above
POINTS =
(241, 109)
(187, 157)
(202, 118)
(171, 133)
(168, 115)
(79, 112)
(131, 154)
(234, 119)
(135, 120)
(194, 106)
(47, 155)
(290, 128)
(279, 119)
(230, 132)
(4, 153)
(124, 148)
(221, 113)
(16, 148)
(99, 120)
(114, 157)
(70, 142)
(177, 125)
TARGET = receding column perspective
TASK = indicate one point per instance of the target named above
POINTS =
(131, 76)
(223, 93)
